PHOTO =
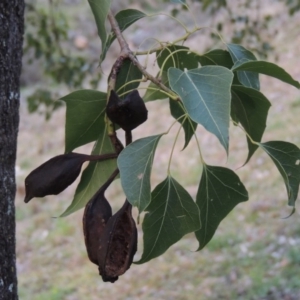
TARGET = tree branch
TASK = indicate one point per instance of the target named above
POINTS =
(127, 53)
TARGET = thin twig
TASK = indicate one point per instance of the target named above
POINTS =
(116, 143)
(104, 187)
(102, 157)
(128, 137)
(116, 29)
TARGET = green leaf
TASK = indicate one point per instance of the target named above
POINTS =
(157, 95)
(205, 93)
(217, 57)
(127, 73)
(250, 107)
(172, 213)
(220, 190)
(135, 164)
(84, 117)
(125, 18)
(266, 68)
(100, 9)
(94, 176)
(110, 39)
(239, 53)
(178, 1)
(183, 59)
(189, 126)
(286, 157)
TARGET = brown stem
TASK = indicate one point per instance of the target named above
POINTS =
(113, 74)
(116, 29)
(126, 52)
(111, 86)
(102, 157)
(111, 178)
(128, 137)
(116, 143)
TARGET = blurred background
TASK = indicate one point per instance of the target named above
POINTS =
(255, 252)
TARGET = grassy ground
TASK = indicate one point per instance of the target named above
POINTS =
(254, 254)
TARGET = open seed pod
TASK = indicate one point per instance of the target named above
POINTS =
(56, 174)
(128, 113)
(118, 244)
(96, 214)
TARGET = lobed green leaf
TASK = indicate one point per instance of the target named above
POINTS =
(220, 190)
(171, 214)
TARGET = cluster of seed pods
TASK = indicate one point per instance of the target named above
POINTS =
(111, 240)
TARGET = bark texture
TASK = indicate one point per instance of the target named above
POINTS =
(11, 38)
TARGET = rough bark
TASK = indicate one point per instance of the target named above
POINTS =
(11, 38)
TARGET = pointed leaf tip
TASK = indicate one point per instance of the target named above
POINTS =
(286, 157)
(250, 107)
(100, 11)
(220, 190)
(266, 68)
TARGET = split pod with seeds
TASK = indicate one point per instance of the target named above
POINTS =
(56, 174)
(118, 244)
(128, 113)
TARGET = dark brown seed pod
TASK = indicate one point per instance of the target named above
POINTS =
(128, 113)
(96, 214)
(118, 244)
(56, 174)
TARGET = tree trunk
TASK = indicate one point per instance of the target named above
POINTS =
(11, 38)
